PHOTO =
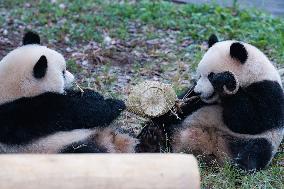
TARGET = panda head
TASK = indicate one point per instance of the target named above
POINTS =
(243, 62)
(31, 70)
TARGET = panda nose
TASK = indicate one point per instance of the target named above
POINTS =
(194, 82)
(197, 93)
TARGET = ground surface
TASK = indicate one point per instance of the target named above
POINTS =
(275, 7)
(112, 46)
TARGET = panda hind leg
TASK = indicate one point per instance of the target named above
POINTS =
(251, 154)
(247, 154)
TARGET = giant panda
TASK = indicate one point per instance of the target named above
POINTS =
(240, 115)
(41, 113)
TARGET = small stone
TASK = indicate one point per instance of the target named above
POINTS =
(68, 49)
(281, 72)
(62, 6)
(85, 62)
(66, 39)
(107, 40)
(5, 32)
(27, 5)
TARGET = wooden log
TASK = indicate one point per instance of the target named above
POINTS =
(99, 171)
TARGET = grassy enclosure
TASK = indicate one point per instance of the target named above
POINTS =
(112, 45)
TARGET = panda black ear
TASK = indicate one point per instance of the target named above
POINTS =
(31, 38)
(212, 40)
(239, 52)
(40, 67)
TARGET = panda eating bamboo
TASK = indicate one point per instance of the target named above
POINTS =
(40, 113)
(240, 116)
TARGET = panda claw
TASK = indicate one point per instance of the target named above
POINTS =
(150, 139)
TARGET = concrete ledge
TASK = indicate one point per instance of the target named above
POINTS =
(99, 171)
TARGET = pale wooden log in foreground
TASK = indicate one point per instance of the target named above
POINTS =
(99, 171)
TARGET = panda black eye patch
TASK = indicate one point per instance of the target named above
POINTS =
(40, 67)
(220, 80)
(63, 73)
(210, 76)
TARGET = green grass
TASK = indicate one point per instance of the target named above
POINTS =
(230, 177)
(89, 20)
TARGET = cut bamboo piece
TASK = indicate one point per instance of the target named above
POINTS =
(151, 98)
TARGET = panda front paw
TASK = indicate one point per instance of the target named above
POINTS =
(151, 139)
(224, 83)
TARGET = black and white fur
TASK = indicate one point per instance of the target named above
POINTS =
(40, 113)
(241, 115)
